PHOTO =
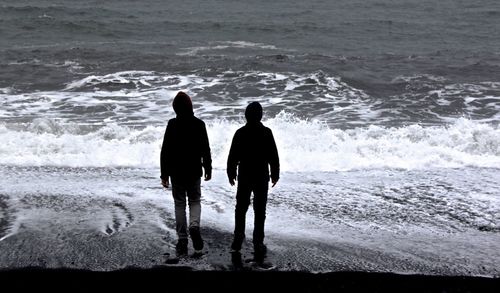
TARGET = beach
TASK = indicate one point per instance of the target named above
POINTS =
(93, 225)
(116, 241)
(385, 115)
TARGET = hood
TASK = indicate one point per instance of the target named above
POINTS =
(182, 104)
(253, 112)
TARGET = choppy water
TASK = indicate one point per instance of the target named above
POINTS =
(385, 113)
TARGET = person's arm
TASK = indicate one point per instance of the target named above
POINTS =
(233, 159)
(274, 160)
(205, 154)
(164, 157)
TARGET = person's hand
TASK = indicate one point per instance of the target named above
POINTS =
(208, 176)
(274, 181)
(231, 181)
(165, 182)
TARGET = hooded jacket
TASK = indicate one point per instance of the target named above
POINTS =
(253, 150)
(185, 149)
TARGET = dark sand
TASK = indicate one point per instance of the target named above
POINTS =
(183, 279)
(83, 244)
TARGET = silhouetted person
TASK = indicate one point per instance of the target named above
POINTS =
(252, 152)
(184, 152)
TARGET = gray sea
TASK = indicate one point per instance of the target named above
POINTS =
(386, 116)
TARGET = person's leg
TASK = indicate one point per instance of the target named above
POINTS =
(179, 195)
(194, 197)
(259, 206)
(242, 202)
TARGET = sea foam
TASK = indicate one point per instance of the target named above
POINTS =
(304, 145)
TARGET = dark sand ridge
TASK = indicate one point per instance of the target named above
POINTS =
(182, 279)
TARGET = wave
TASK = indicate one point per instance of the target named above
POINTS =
(143, 94)
(134, 77)
(304, 145)
(223, 45)
(116, 96)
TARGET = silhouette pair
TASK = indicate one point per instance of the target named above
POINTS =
(186, 153)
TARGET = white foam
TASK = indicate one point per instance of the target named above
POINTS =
(419, 77)
(6, 90)
(70, 64)
(122, 77)
(303, 145)
(245, 44)
(115, 97)
(191, 51)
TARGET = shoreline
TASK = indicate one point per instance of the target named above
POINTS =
(185, 278)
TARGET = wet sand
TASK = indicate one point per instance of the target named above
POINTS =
(86, 262)
(107, 233)
(90, 234)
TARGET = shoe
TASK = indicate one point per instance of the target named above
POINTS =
(260, 250)
(236, 245)
(236, 259)
(194, 232)
(197, 254)
(181, 248)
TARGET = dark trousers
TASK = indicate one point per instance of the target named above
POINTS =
(243, 194)
(191, 190)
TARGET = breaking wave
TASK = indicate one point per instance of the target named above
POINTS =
(304, 145)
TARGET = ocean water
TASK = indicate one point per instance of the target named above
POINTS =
(385, 113)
